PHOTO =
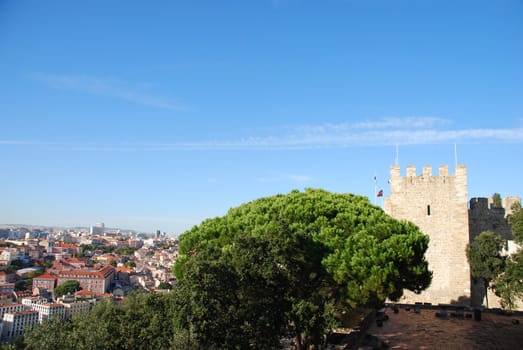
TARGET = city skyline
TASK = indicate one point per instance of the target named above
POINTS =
(158, 116)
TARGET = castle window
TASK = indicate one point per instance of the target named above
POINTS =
(428, 210)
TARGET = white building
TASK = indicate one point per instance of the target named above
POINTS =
(76, 307)
(6, 308)
(8, 255)
(16, 322)
(47, 311)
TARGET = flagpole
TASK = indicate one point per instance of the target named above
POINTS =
(375, 188)
(456, 154)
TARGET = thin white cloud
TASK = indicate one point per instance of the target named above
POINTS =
(384, 132)
(108, 88)
(404, 123)
(26, 143)
(383, 123)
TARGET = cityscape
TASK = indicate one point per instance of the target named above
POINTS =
(107, 263)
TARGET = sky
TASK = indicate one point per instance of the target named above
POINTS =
(155, 115)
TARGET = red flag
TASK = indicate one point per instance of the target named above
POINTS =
(380, 193)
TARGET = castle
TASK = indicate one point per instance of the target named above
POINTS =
(438, 205)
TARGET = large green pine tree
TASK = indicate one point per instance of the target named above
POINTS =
(332, 248)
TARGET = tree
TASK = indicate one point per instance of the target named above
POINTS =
(496, 200)
(235, 298)
(70, 286)
(516, 222)
(329, 249)
(485, 259)
(165, 285)
(130, 264)
(143, 321)
(50, 335)
(23, 284)
(125, 250)
(509, 285)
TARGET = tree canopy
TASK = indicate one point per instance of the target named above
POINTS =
(70, 286)
(496, 200)
(485, 259)
(321, 248)
(509, 284)
(143, 321)
(516, 222)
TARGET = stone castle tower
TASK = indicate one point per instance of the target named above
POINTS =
(438, 205)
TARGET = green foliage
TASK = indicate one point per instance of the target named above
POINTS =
(144, 321)
(165, 285)
(484, 256)
(70, 286)
(333, 247)
(496, 200)
(125, 250)
(232, 298)
(485, 259)
(130, 264)
(25, 284)
(516, 223)
(45, 264)
(37, 273)
(104, 248)
(509, 285)
(50, 335)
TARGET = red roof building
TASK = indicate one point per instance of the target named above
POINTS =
(97, 281)
(45, 281)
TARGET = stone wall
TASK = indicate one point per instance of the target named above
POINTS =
(484, 216)
(438, 206)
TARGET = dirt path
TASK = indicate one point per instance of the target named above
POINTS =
(410, 330)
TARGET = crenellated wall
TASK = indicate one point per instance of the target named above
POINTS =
(438, 205)
(484, 216)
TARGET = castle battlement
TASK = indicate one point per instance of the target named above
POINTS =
(426, 182)
(479, 203)
(443, 171)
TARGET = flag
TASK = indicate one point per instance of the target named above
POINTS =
(380, 193)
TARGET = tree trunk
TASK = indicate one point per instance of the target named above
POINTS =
(486, 292)
(297, 341)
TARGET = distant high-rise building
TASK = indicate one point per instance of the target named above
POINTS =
(97, 229)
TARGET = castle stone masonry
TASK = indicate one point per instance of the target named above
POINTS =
(438, 205)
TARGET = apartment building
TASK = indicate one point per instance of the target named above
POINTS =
(14, 323)
(47, 311)
(97, 281)
(45, 281)
(7, 308)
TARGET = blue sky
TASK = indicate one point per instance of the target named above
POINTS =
(158, 114)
